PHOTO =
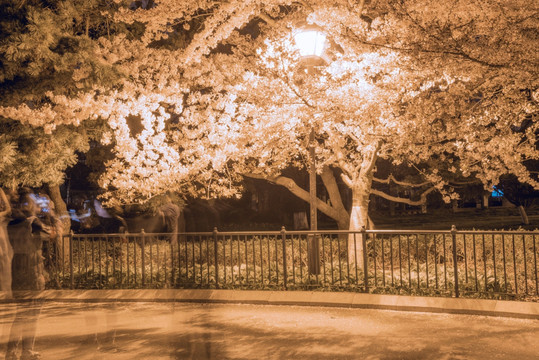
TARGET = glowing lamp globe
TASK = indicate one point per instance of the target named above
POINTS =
(310, 43)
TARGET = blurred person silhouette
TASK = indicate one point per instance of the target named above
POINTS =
(101, 325)
(52, 252)
(6, 251)
(25, 232)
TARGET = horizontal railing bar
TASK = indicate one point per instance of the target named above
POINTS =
(264, 233)
(506, 232)
(307, 232)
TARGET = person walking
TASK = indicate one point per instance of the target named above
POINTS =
(25, 232)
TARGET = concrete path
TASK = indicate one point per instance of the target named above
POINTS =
(173, 330)
(470, 306)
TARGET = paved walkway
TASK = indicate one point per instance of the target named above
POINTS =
(520, 309)
(172, 330)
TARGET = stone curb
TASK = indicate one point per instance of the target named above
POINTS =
(504, 308)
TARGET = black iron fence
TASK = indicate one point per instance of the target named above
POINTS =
(489, 264)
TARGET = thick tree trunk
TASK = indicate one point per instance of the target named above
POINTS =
(361, 185)
(60, 207)
(523, 215)
(63, 215)
(341, 216)
(359, 219)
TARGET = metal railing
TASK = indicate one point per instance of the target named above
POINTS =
(489, 264)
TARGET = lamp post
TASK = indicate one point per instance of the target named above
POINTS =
(312, 183)
(311, 45)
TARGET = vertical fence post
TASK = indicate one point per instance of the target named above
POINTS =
(216, 258)
(365, 257)
(143, 241)
(72, 280)
(62, 258)
(313, 254)
(285, 274)
(455, 267)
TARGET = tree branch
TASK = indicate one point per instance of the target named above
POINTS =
(469, 182)
(267, 19)
(342, 163)
(457, 50)
(328, 178)
(422, 200)
(299, 192)
(295, 91)
(346, 179)
(402, 183)
(361, 6)
(459, 53)
(368, 164)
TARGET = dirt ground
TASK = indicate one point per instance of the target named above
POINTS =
(203, 331)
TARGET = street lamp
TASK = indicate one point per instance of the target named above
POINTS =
(311, 44)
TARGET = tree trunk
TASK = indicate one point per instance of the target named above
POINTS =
(60, 207)
(523, 215)
(359, 219)
(485, 200)
(63, 215)
(361, 185)
(342, 217)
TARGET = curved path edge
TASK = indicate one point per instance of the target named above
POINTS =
(504, 308)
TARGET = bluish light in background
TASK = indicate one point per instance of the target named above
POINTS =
(497, 192)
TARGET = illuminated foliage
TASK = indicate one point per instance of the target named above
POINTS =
(198, 93)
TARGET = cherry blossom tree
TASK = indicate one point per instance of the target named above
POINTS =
(218, 91)
(412, 82)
